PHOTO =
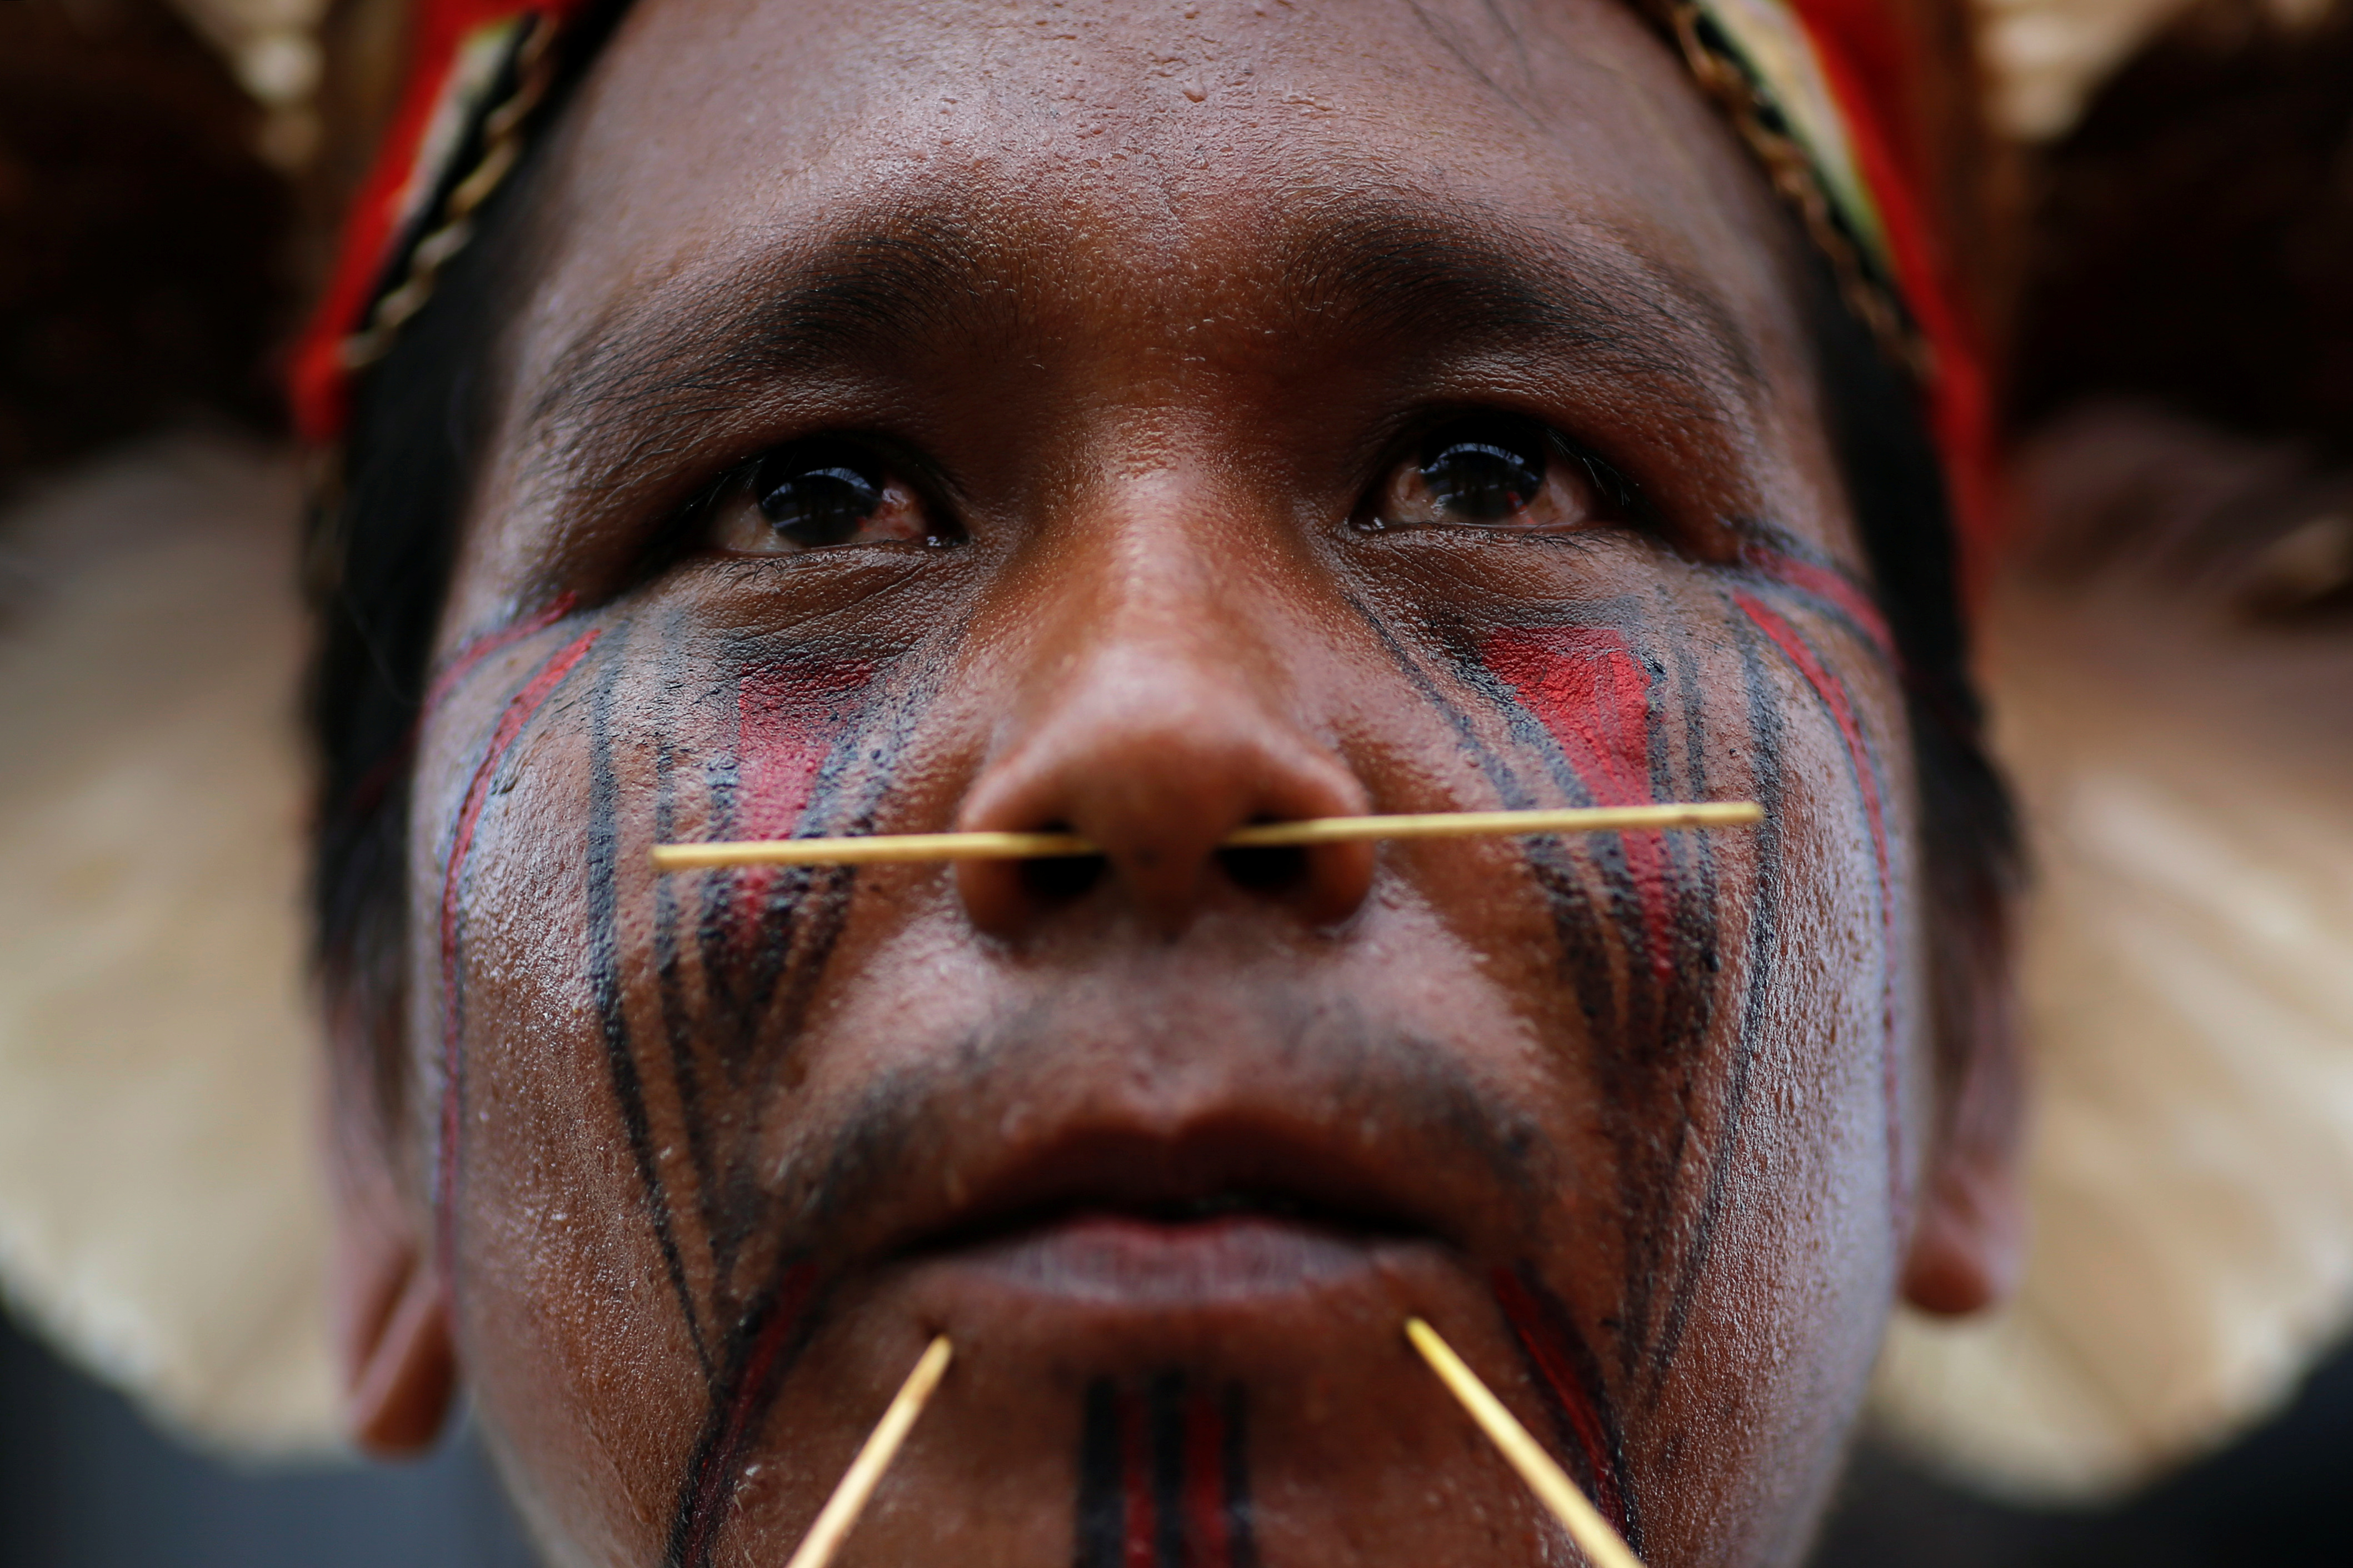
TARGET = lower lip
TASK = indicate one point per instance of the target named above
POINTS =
(1115, 1260)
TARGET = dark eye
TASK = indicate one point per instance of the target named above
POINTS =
(816, 495)
(1491, 471)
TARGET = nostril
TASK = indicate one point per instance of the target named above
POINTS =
(1061, 878)
(1265, 871)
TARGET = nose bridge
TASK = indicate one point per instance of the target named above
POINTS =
(1159, 599)
(1155, 709)
(1183, 566)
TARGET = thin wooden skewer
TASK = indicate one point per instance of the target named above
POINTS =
(1602, 1545)
(849, 1500)
(874, 848)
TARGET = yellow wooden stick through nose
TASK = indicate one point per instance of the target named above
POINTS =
(886, 848)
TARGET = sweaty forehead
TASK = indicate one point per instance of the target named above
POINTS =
(1116, 153)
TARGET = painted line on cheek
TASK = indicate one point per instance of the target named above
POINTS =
(755, 926)
(1834, 589)
(1699, 873)
(368, 794)
(787, 718)
(1833, 694)
(678, 1035)
(605, 966)
(1585, 685)
(1767, 728)
(469, 656)
(1566, 1375)
(511, 723)
(766, 1344)
(1498, 775)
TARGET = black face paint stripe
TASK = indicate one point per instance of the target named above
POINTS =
(1872, 792)
(768, 1339)
(677, 1030)
(1102, 1507)
(612, 1008)
(1165, 1424)
(1242, 1536)
(1163, 1473)
(1764, 942)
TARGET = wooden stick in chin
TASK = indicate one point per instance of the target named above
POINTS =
(849, 1500)
(1602, 1545)
(883, 849)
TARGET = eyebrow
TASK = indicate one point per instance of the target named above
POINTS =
(1417, 272)
(1472, 274)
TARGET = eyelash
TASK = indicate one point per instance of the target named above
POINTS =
(846, 485)
(1496, 437)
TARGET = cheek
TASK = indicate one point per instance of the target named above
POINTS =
(1814, 1159)
(603, 1040)
(1752, 1033)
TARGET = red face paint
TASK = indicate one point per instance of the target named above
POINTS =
(470, 654)
(1547, 1338)
(1832, 588)
(761, 1357)
(1162, 1478)
(1585, 686)
(1208, 1513)
(788, 717)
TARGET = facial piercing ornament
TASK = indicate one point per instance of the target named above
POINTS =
(1593, 1535)
(857, 1483)
(880, 848)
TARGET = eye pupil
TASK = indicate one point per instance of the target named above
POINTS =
(817, 503)
(1487, 477)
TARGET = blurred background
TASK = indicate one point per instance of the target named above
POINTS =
(168, 177)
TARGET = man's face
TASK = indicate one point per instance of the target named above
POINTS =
(1149, 420)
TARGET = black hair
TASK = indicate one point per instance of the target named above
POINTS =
(383, 551)
(1971, 852)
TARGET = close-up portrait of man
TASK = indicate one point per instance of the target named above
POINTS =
(758, 420)
(1141, 422)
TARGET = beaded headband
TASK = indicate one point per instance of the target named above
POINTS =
(1816, 88)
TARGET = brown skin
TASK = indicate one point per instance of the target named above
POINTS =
(1179, 294)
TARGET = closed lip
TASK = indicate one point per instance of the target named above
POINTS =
(1216, 1214)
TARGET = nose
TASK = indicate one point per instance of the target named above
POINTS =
(1154, 715)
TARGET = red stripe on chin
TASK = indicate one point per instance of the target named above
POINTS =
(1205, 1488)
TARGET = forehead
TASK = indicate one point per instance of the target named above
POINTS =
(1090, 147)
